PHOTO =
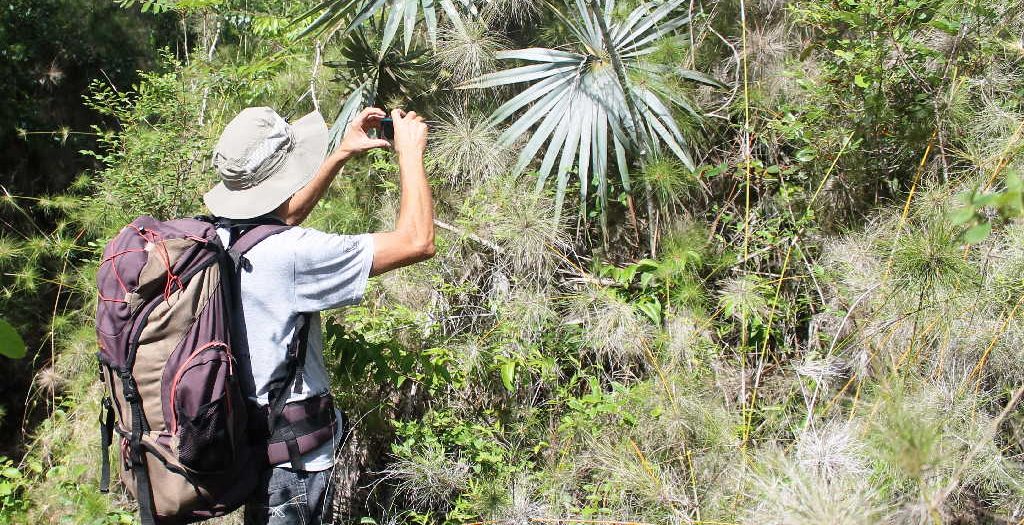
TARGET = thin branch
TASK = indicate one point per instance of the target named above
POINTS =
(471, 236)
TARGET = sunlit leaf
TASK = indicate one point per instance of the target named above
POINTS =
(962, 215)
(508, 375)
(977, 233)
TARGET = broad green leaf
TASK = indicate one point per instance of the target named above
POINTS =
(399, 13)
(977, 233)
(359, 98)
(519, 74)
(11, 344)
(698, 77)
(806, 154)
(946, 26)
(508, 375)
(527, 96)
(395, 12)
(651, 308)
(961, 215)
(981, 200)
(1014, 182)
(540, 54)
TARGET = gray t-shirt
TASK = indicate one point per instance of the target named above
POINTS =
(295, 271)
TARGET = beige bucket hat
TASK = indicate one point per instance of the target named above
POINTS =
(263, 160)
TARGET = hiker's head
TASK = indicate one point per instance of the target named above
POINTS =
(263, 160)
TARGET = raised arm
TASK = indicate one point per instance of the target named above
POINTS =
(412, 240)
(355, 141)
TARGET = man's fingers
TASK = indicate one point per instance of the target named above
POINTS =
(370, 122)
(411, 114)
(368, 115)
(397, 114)
(371, 112)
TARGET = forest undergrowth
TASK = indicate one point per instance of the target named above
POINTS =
(777, 280)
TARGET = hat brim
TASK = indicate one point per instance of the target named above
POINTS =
(297, 169)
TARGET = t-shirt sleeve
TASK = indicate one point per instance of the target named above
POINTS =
(330, 269)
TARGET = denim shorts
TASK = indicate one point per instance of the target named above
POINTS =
(291, 497)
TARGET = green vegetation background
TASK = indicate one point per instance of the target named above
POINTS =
(794, 299)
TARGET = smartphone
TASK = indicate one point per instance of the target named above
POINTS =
(387, 129)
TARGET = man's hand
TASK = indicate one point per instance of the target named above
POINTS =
(410, 133)
(357, 139)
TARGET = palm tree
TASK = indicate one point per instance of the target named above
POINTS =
(371, 75)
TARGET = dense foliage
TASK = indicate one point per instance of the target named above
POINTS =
(795, 300)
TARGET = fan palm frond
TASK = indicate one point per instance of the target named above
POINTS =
(400, 13)
(576, 105)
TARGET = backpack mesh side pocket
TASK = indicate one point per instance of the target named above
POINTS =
(204, 443)
(205, 398)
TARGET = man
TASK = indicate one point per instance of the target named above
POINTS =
(272, 170)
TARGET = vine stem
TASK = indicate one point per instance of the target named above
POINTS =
(745, 136)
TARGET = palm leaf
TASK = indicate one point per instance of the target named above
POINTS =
(351, 14)
(363, 95)
(573, 102)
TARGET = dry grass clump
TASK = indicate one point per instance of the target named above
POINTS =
(523, 503)
(786, 493)
(852, 269)
(612, 329)
(683, 410)
(824, 478)
(1003, 279)
(466, 50)
(900, 288)
(983, 117)
(768, 48)
(640, 485)
(643, 458)
(686, 339)
(933, 446)
(824, 371)
(505, 12)
(427, 477)
(527, 311)
(514, 229)
(832, 451)
(532, 240)
(466, 148)
(744, 298)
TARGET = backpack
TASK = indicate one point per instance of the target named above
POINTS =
(169, 330)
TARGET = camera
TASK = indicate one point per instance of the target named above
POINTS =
(387, 128)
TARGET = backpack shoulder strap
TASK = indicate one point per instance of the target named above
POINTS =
(295, 364)
(254, 235)
(251, 234)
